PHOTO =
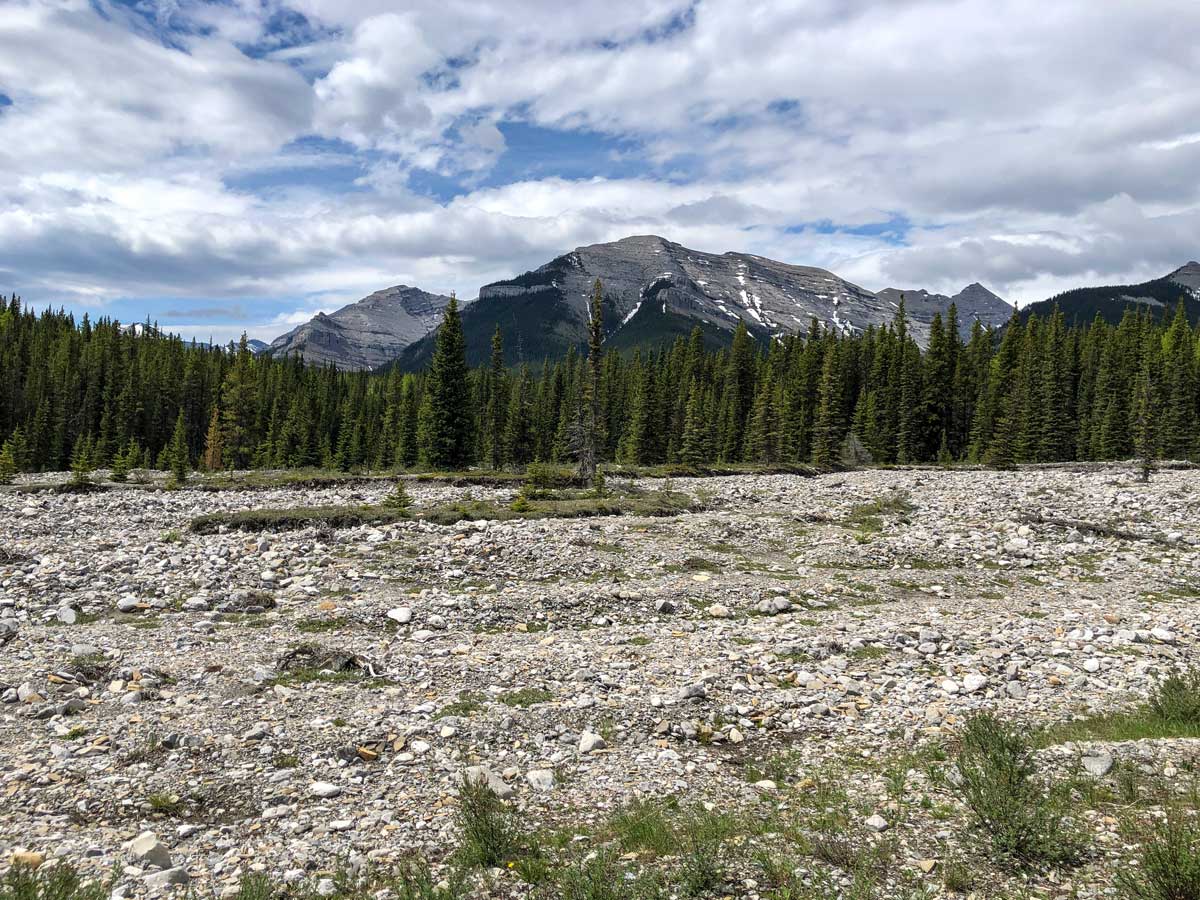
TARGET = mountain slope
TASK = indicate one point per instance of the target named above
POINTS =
(365, 334)
(544, 312)
(974, 302)
(1158, 297)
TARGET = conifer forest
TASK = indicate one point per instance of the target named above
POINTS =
(98, 394)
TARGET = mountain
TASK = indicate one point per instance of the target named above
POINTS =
(655, 290)
(365, 334)
(1158, 297)
(974, 302)
(256, 346)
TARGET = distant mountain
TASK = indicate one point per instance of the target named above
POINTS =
(1158, 297)
(974, 302)
(365, 334)
(256, 346)
(654, 290)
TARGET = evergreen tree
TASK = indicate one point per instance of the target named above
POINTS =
(1145, 424)
(180, 462)
(8, 463)
(214, 446)
(445, 428)
(497, 405)
(589, 430)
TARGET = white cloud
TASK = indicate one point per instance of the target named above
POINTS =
(1032, 147)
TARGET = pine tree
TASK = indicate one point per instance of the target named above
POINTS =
(445, 429)
(827, 429)
(762, 442)
(8, 463)
(497, 404)
(119, 470)
(214, 445)
(1145, 436)
(589, 437)
(694, 450)
(180, 462)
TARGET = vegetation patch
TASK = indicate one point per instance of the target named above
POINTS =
(1173, 711)
(526, 697)
(1023, 820)
(649, 504)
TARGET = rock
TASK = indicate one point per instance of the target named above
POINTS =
(540, 779)
(324, 790)
(1016, 690)
(1097, 763)
(66, 615)
(693, 692)
(484, 775)
(877, 823)
(1164, 635)
(590, 742)
(718, 611)
(974, 683)
(167, 878)
(147, 850)
(400, 614)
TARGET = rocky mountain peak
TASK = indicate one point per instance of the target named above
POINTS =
(367, 333)
(1188, 275)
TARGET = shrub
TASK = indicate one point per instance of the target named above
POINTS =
(1024, 821)
(491, 831)
(399, 499)
(702, 838)
(599, 876)
(57, 882)
(8, 463)
(1176, 699)
(1169, 863)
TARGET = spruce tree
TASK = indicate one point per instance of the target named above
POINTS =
(1145, 434)
(179, 457)
(497, 405)
(8, 463)
(214, 445)
(445, 428)
(827, 429)
(588, 437)
(694, 449)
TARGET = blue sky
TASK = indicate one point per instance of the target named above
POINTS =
(239, 165)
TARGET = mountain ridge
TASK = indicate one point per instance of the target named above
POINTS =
(367, 333)
(655, 289)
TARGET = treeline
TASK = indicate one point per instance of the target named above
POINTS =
(89, 393)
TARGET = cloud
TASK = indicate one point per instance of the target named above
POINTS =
(308, 152)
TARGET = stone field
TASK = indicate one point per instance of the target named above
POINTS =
(797, 655)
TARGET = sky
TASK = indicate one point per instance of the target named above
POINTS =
(239, 165)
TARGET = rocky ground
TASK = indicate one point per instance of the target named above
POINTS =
(282, 702)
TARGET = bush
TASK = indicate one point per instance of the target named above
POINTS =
(491, 830)
(399, 498)
(702, 837)
(1169, 866)
(599, 876)
(50, 882)
(1176, 699)
(1024, 821)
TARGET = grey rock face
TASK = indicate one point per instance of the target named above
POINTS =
(974, 302)
(648, 274)
(365, 334)
(1188, 276)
